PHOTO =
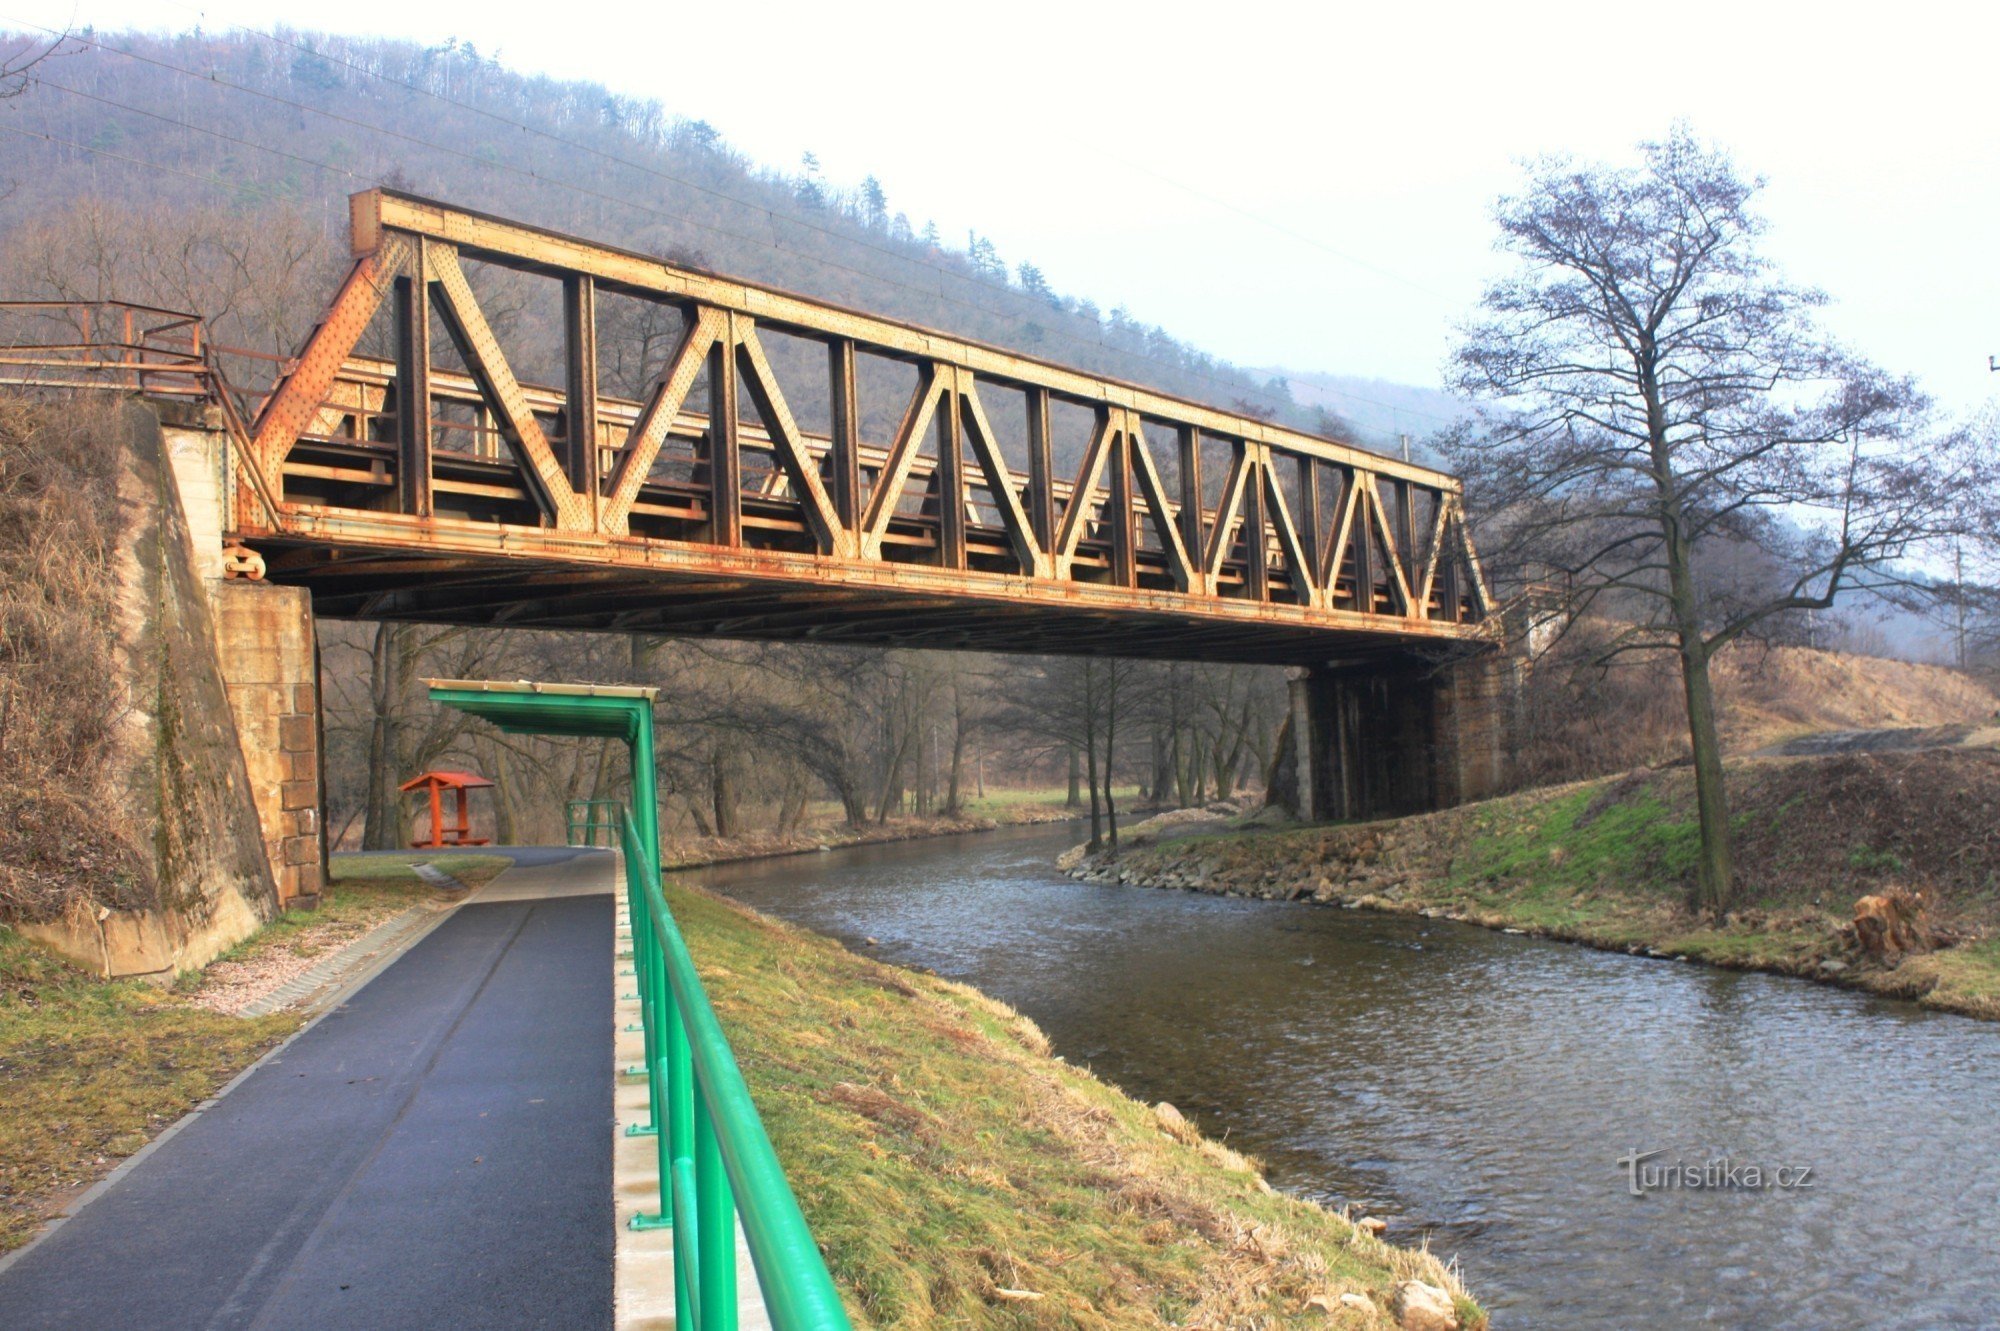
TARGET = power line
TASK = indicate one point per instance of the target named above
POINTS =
(198, 129)
(770, 214)
(845, 237)
(195, 176)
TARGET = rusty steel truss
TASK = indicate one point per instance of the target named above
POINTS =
(397, 485)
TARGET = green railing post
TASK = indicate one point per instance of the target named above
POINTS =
(650, 982)
(715, 1217)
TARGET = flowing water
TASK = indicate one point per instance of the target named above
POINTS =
(1481, 1088)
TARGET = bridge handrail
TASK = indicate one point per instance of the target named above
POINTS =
(712, 1147)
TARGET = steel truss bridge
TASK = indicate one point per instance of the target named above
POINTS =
(925, 508)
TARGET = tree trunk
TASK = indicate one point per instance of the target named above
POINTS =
(1714, 879)
(1183, 787)
(951, 802)
(1075, 779)
(792, 805)
(1110, 751)
(1713, 873)
(722, 790)
(500, 765)
(892, 782)
(852, 806)
(1090, 755)
(383, 828)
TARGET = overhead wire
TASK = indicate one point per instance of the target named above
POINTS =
(770, 214)
(843, 236)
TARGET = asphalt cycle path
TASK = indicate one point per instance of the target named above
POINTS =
(435, 1151)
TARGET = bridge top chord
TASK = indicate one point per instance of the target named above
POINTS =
(683, 452)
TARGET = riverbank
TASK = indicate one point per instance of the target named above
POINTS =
(90, 1071)
(1012, 809)
(955, 1172)
(1608, 863)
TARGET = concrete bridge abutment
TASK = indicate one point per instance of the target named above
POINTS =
(212, 780)
(1409, 736)
(267, 649)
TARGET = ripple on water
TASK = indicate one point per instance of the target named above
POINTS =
(1480, 1088)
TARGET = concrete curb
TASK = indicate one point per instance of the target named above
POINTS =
(644, 1264)
(326, 977)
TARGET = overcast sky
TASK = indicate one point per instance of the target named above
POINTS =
(1308, 185)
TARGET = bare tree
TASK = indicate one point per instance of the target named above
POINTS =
(1656, 391)
(24, 54)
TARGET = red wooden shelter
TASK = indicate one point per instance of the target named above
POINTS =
(458, 833)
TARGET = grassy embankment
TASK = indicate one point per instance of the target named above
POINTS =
(90, 1071)
(1609, 863)
(958, 1175)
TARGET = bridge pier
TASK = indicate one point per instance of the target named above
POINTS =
(1408, 736)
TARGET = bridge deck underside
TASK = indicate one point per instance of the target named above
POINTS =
(517, 593)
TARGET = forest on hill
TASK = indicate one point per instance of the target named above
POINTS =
(207, 172)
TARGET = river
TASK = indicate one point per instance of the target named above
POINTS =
(1480, 1089)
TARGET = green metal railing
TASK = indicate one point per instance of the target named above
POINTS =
(586, 818)
(714, 1155)
(714, 1151)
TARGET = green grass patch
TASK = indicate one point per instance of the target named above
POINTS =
(943, 1158)
(90, 1071)
(1967, 978)
(1551, 849)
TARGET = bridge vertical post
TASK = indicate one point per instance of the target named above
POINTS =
(1256, 569)
(844, 454)
(725, 465)
(580, 443)
(1406, 516)
(1041, 474)
(1309, 515)
(1192, 534)
(413, 385)
(948, 481)
(1124, 560)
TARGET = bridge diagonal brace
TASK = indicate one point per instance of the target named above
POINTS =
(1296, 559)
(1229, 512)
(296, 404)
(1083, 495)
(786, 441)
(1343, 536)
(895, 473)
(1154, 491)
(1481, 602)
(467, 324)
(1439, 528)
(1027, 551)
(649, 433)
(1378, 522)
(1333, 539)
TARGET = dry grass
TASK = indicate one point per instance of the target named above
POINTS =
(90, 1071)
(1579, 722)
(60, 698)
(957, 1175)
